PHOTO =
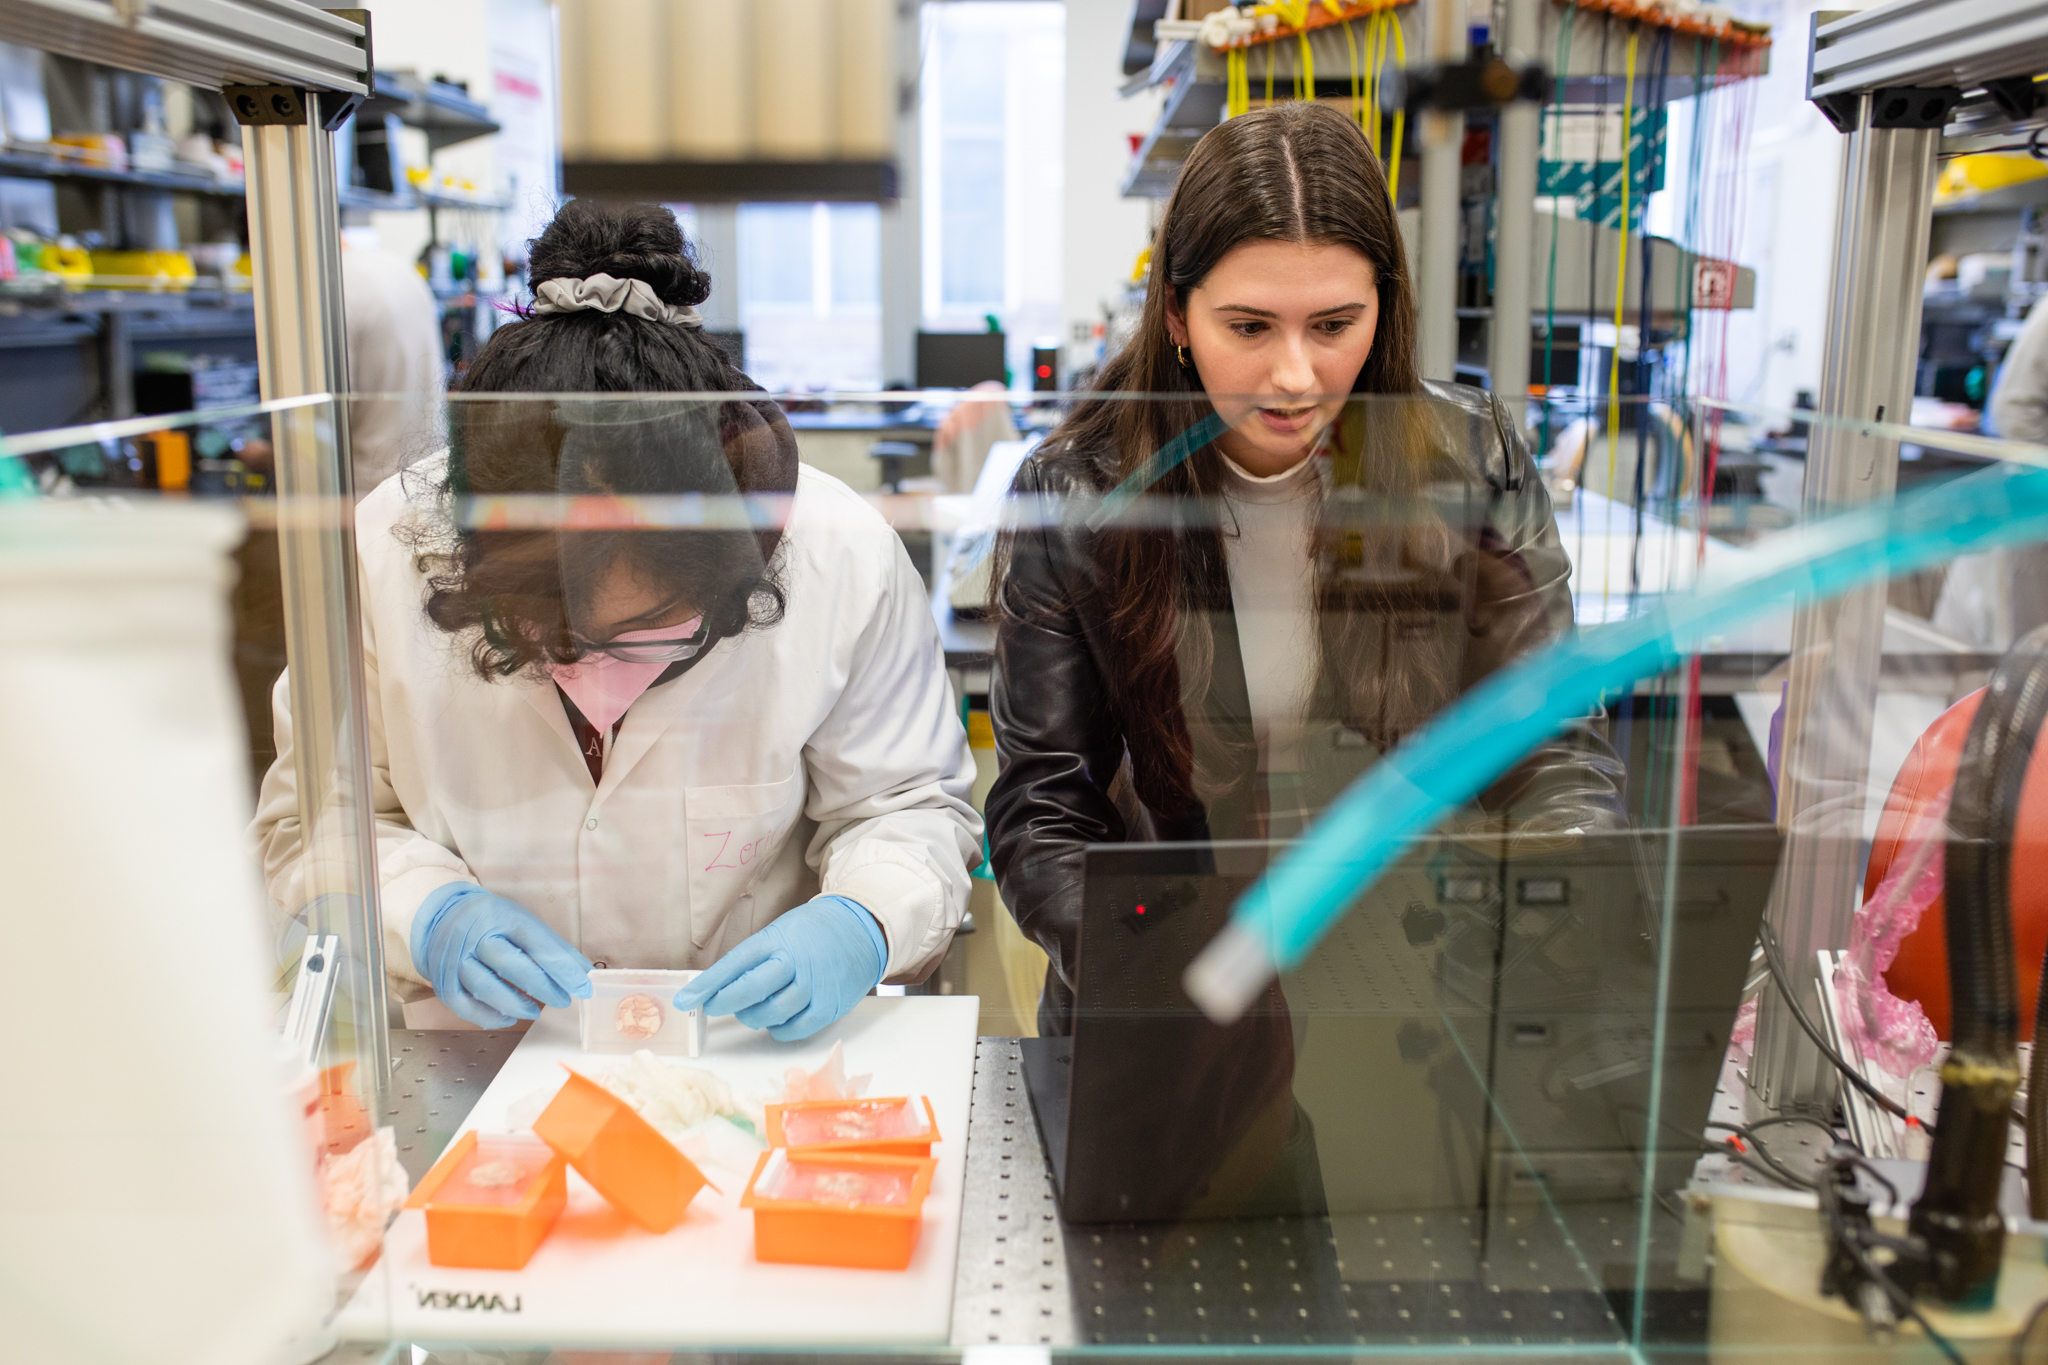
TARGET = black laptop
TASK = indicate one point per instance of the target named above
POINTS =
(1478, 1029)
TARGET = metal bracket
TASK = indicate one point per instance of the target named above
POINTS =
(337, 108)
(2016, 96)
(1899, 106)
(257, 106)
(1840, 109)
(1910, 106)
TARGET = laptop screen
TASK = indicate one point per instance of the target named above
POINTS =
(1480, 1029)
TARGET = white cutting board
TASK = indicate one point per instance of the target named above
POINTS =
(600, 1281)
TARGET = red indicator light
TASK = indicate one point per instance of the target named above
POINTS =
(1045, 371)
(1141, 909)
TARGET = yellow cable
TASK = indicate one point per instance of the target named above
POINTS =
(1375, 38)
(1620, 290)
(1380, 131)
(1400, 115)
(1367, 120)
(1357, 89)
(1269, 75)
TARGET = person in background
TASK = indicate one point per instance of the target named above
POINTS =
(1991, 600)
(395, 351)
(2019, 403)
(1223, 658)
(731, 747)
(967, 431)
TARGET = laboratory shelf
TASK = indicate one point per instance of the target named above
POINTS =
(15, 297)
(44, 166)
(446, 113)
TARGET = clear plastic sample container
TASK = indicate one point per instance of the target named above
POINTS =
(491, 1200)
(631, 1009)
(497, 1172)
(859, 1209)
(900, 1126)
(826, 1181)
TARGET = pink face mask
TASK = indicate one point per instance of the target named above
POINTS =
(604, 685)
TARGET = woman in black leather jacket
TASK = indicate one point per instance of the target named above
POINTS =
(1211, 644)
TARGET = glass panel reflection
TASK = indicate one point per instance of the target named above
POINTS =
(1491, 1108)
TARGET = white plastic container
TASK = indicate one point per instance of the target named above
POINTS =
(151, 1159)
(632, 1010)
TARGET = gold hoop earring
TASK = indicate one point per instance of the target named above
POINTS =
(1181, 354)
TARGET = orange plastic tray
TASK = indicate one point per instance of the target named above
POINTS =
(911, 1145)
(863, 1236)
(622, 1155)
(471, 1229)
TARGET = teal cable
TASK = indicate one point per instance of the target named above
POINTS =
(1162, 462)
(985, 869)
(1488, 730)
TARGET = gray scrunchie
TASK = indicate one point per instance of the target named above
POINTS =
(602, 294)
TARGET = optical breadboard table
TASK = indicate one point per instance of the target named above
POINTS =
(1443, 1278)
(598, 1281)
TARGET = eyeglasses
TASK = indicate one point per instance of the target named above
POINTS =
(646, 651)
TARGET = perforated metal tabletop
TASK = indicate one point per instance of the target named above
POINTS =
(1440, 1278)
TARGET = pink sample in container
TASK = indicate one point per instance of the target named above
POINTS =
(855, 1209)
(490, 1200)
(899, 1126)
(630, 1010)
(834, 1182)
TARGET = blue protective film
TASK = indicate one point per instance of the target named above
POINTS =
(1488, 730)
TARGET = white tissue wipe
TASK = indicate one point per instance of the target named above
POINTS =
(672, 1097)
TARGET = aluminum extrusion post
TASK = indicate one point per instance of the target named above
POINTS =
(1443, 146)
(301, 345)
(1882, 217)
(1515, 225)
(903, 217)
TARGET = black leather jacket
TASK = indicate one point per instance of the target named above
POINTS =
(1064, 781)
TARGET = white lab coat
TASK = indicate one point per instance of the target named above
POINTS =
(1991, 600)
(395, 353)
(824, 750)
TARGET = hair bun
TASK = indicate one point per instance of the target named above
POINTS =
(625, 241)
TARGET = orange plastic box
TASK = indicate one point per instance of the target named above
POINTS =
(889, 1127)
(490, 1201)
(622, 1155)
(856, 1209)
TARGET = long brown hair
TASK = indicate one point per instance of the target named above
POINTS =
(1297, 172)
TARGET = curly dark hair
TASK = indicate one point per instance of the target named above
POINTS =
(518, 590)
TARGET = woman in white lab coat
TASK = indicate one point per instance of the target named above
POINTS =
(725, 749)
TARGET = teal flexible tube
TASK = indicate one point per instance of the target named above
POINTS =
(1157, 466)
(1485, 732)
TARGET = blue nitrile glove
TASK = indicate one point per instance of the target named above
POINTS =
(799, 974)
(491, 960)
